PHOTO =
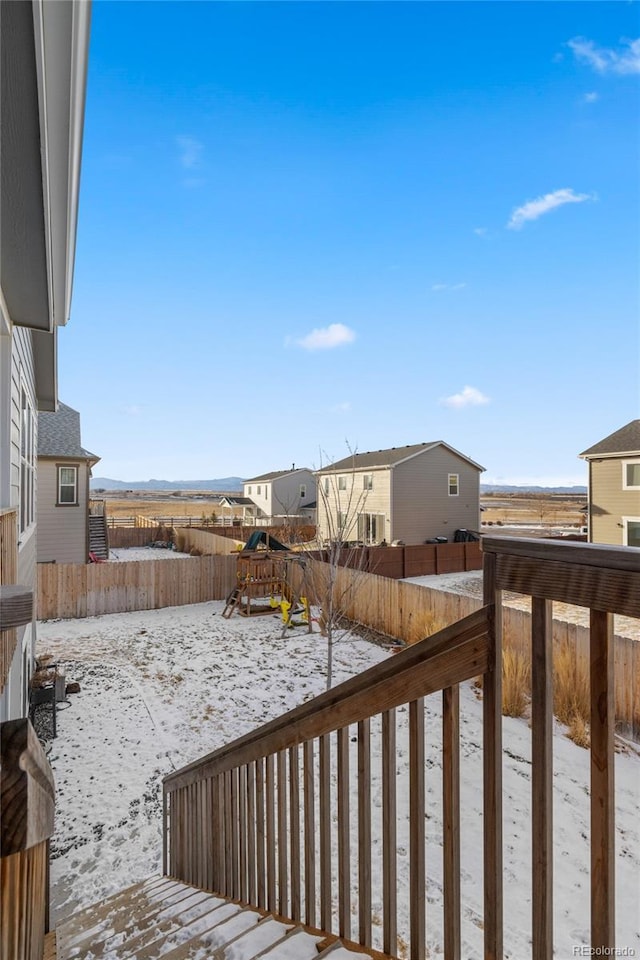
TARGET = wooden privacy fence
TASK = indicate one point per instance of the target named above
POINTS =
(413, 560)
(87, 590)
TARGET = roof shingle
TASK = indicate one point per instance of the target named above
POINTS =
(59, 435)
(624, 440)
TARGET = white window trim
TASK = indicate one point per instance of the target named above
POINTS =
(457, 484)
(68, 466)
(625, 528)
(626, 486)
(28, 428)
(303, 491)
(342, 483)
(367, 481)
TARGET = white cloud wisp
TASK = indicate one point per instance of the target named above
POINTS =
(468, 397)
(191, 151)
(625, 60)
(326, 338)
(533, 209)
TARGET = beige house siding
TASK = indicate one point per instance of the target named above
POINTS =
(609, 502)
(62, 530)
(423, 508)
(354, 500)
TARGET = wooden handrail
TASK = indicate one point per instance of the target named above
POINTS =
(456, 653)
(580, 554)
(27, 789)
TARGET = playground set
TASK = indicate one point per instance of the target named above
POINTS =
(266, 582)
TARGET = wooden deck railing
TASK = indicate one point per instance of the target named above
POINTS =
(26, 824)
(260, 821)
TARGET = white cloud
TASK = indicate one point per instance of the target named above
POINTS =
(341, 407)
(480, 231)
(591, 97)
(624, 60)
(133, 410)
(468, 397)
(191, 151)
(448, 286)
(326, 338)
(533, 209)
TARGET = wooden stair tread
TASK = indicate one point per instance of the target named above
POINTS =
(165, 919)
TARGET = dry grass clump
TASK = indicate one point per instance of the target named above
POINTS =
(516, 683)
(571, 694)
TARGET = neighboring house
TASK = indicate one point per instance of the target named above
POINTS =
(235, 508)
(64, 470)
(614, 487)
(282, 495)
(44, 49)
(412, 494)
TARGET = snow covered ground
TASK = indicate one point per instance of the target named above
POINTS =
(160, 688)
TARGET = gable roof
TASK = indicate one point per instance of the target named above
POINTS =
(626, 440)
(59, 435)
(390, 457)
(276, 474)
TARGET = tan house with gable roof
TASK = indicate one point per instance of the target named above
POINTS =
(614, 487)
(412, 494)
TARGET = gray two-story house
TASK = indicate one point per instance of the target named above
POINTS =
(409, 494)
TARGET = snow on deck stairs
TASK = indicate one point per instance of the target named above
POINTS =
(164, 918)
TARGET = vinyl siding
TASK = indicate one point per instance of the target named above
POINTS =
(283, 496)
(609, 502)
(62, 531)
(17, 362)
(354, 501)
(422, 507)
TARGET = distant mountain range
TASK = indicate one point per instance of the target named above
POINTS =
(226, 483)
(235, 484)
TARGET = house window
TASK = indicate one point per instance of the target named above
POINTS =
(342, 483)
(454, 484)
(258, 490)
(326, 486)
(27, 462)
(631, 474)
(266, 489)
(367, 481)
(631, 531)
(67, 486)
(371, 527)
(303, 491)
(248, 491)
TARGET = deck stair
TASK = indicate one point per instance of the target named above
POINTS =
(98, 537)
(164, 918)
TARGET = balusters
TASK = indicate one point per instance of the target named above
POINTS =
(389, 844)
(344, 851)
(542, 777)
(242, 830)
(271, 834)
(364, 832)
(451, 819)
(309, 836)
(283, 884)
(294, 808)
(325, 833)
(260, 833)
(251, 837)
(417, 893)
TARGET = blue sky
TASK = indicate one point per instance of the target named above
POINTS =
(310, 224)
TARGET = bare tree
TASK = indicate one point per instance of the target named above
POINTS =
(339, 503)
